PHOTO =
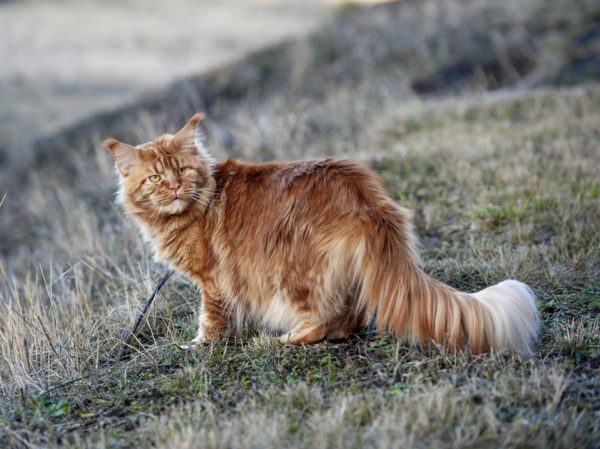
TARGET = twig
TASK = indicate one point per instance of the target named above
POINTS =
(142, 313)
(97, 375)
(48, 338)
(64, 384)
(27, 355)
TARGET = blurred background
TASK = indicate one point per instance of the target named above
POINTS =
(63, 60)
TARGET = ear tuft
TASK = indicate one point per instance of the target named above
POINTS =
(200, 140)
(110, 143)
(192, 138)
(197, 117)
(125, 155)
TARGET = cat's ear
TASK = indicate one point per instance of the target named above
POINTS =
(125, 155)
(192, 137)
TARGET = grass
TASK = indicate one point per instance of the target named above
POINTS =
(487, 208)
(502, 185)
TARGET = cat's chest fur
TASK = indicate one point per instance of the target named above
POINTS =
(181, 245)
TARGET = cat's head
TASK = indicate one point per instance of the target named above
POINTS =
(170, 176)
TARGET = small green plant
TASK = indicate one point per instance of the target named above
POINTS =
(515, 209)
(579, 338)
(347, 8)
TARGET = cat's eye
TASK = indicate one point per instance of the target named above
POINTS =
(181, 171)
(154, 178)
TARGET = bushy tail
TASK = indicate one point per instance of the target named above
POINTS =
(503, 316)
(409, 302)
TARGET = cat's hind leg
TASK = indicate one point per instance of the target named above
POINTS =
(329, 310)
(351, 324)
(311, 331)
(305, 332)
(318, 313)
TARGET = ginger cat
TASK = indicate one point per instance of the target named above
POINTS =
(312, 248)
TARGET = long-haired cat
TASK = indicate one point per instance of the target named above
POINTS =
(312, 248)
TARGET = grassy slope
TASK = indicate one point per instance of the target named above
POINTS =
(502, 186)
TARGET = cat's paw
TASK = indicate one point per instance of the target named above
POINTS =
(200, 338)
(286, 339)
(194, 343)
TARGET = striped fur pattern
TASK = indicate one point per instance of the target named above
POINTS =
(314, 249)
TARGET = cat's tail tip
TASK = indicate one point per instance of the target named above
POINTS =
(512, 308)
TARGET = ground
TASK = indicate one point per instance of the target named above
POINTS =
(503, 182)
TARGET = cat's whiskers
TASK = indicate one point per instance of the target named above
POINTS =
(204, 203)
(207, 202)
(153, 211)
(157, 217)
(199, 194)
(212, 200)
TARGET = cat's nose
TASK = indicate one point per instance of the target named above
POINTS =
(175, 188)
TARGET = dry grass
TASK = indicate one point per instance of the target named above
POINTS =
(503, 185)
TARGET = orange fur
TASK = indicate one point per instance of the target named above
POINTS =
(313, 248)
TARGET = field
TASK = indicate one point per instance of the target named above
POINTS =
(482, 117)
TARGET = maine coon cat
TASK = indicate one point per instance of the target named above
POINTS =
(312, 248)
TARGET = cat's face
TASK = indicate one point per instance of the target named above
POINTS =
(166, 177)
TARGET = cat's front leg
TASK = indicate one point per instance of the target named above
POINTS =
(214, 321)
(200, 338)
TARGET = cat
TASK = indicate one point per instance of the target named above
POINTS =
(316, 249)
